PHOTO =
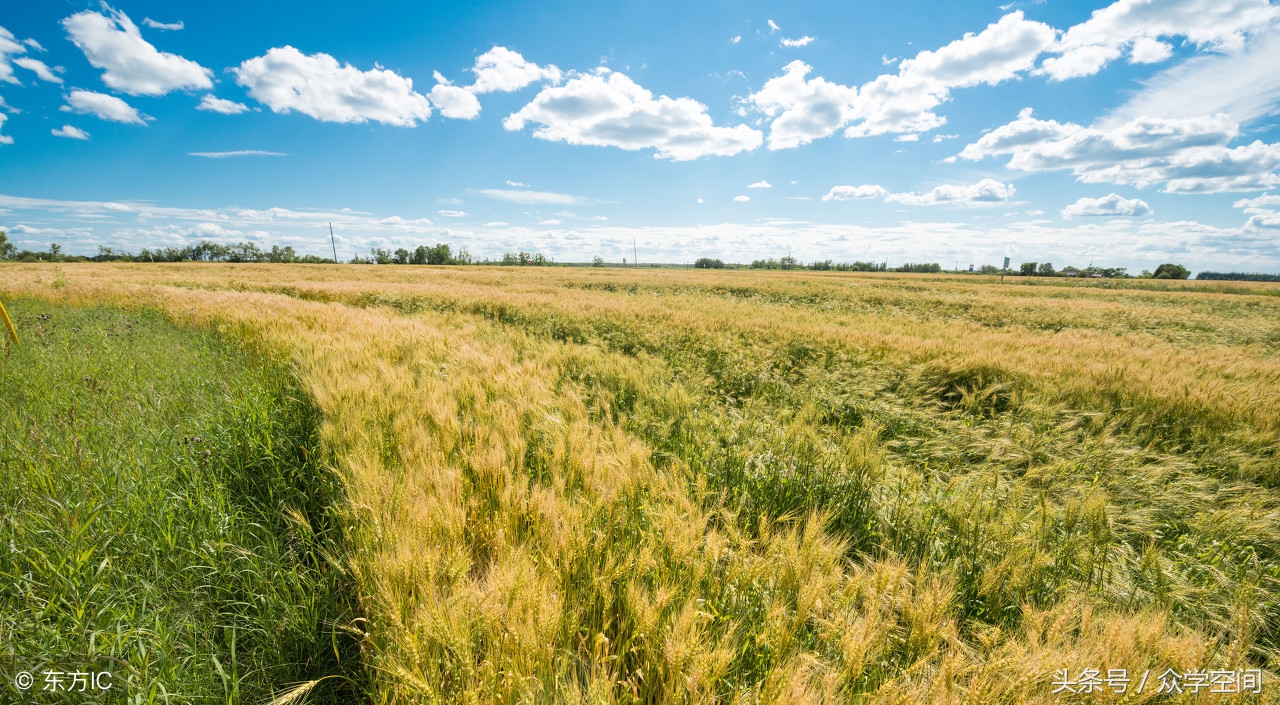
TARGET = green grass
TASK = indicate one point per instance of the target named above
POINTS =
(166, 515)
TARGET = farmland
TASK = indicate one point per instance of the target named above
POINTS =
(620, 485)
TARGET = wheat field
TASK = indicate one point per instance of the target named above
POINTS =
(578, 485)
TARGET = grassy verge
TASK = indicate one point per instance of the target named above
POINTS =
(167, 517)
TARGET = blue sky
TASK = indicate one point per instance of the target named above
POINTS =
(1124, 134)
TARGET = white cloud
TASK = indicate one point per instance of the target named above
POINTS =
(1263, 211)
(741, 199)
(40, 69)
(986, 191)
(1187, 155)
(773, 26)
(171, 26)
(220, 105)
(4, 139)
(131, 64)
(33, 44)
(531, 198)
(9, 46)
(516, 184)
(1109, 205)
(105, 107)
(1137, 25)
(903, 102)
(237, 153)
(452, 213)
(453, 101)
(1149, 51)
(501, 69)
(735, 40)
(496, 224)
(805, 110)
(1243, 84)
(1263, 201)
(909, 137)
(760, 184)
(284, 79)
(792, 43)
(71, 131)
(608, 109)
(851, 193)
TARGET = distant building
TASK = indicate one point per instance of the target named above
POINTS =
(1070, 272)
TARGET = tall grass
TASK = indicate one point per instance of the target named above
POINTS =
(583, 486)
(166, 516)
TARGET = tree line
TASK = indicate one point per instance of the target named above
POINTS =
(1046, 269)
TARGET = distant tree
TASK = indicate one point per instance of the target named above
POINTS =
(402, 256)
(1028, 269)
(788, 262)
(1239, 276)
(708, 263)
(279, 255)
(1171, 271)
(440, 254)
(988, 269)
(1046, 270)
(597, 261)
(919, 267)
(7, 250)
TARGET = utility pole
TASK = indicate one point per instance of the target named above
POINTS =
(634, 252)
(333, 242)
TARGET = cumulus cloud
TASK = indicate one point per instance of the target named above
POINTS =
(987, 191)
(171, 26)
(449, 213)
(1263, 211)
(284, 79)
(453, 101)
(105, 107)
(4, 139)
(501, 69)
(735, 39)
(1110, 205)
(803, 110)
(806, 109)
(531, 198)
(40, 69)
(741, 199)
(237, 153)
(1187, 155)
(760, 184)
(853, 193)
(1263, 201)
(1137, 26)
(608, 109)
(773, 26)
(219, 105)
(792, 43)
(130, 64)
(70, 131)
